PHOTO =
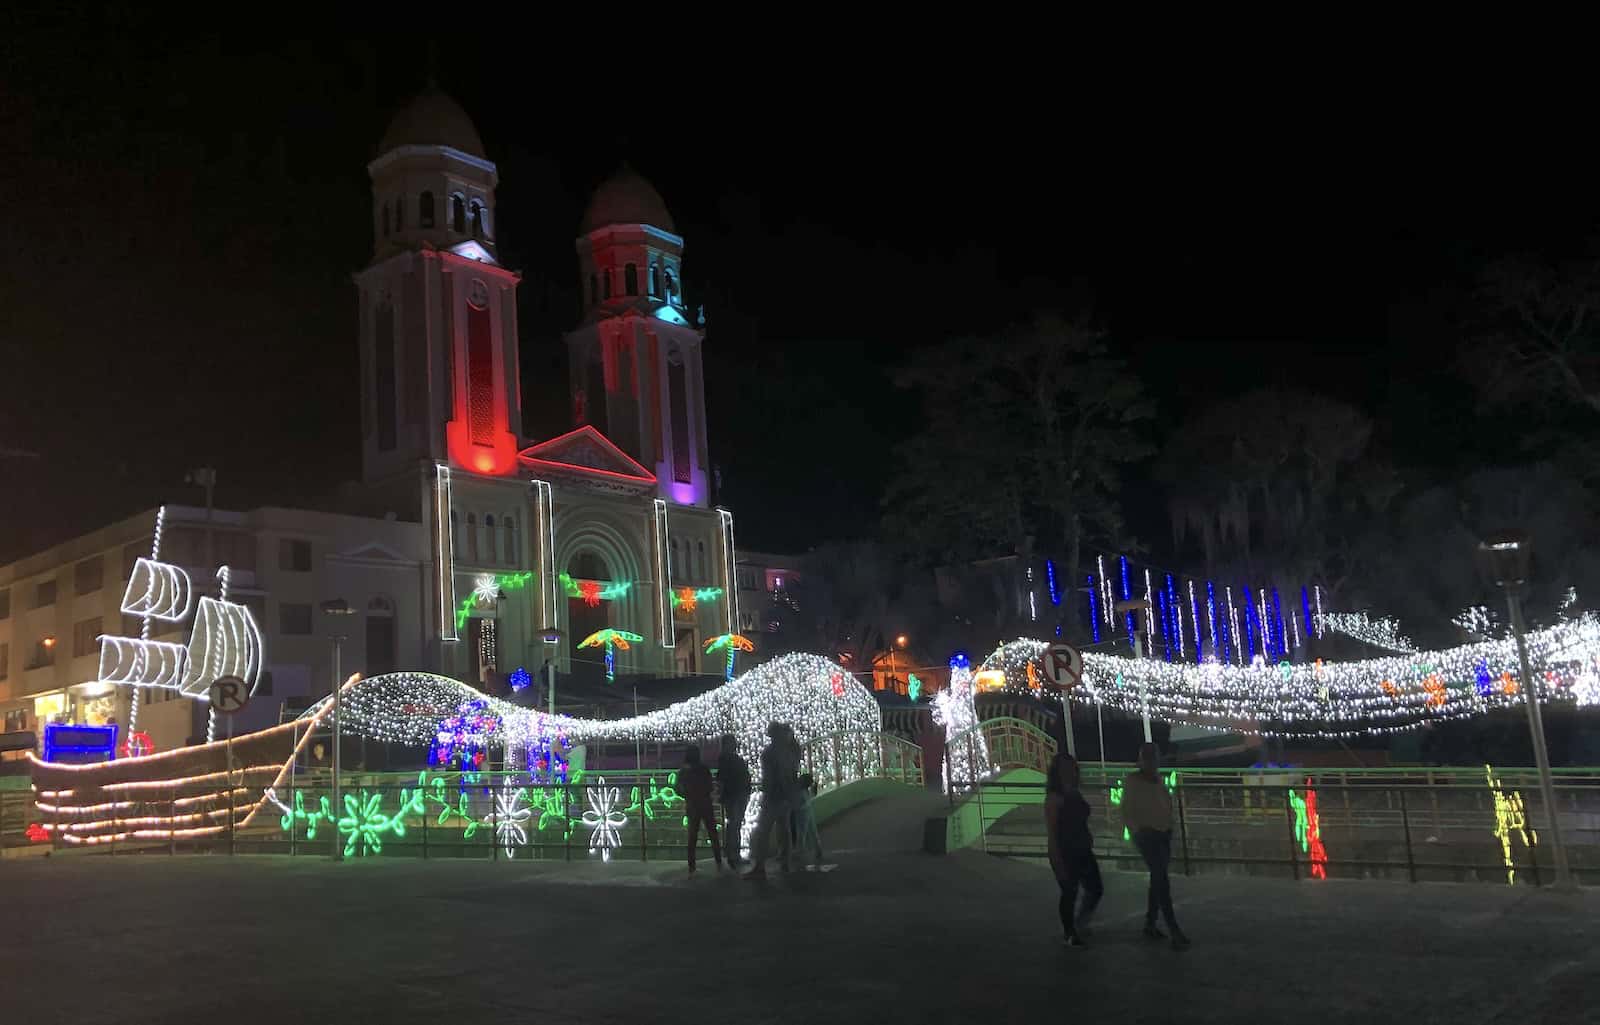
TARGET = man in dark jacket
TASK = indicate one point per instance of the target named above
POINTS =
(733, 778)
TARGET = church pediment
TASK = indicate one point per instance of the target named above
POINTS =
(588, 455)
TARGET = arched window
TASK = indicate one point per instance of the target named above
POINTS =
(630, 279)
(511, 541)
(672, 288)
(490, 541)
(458, 215)
(425, 210)
(655, 280)
(386, 220)
(675, 566)
(477, 219)
(400, 214)
(455, 535)
(594, 289)
(703, 571)
(605, 283)
(472, 537)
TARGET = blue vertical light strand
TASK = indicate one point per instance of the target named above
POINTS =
(1305, 606)
(1283, 631)
(1127, 593)
(1166, 641)
(1094, 609)
(1250, 624)
(1050, 578)
(1194, 620)
(1217, 654)
(1177, 614)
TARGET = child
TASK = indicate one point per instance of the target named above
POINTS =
(805, 822)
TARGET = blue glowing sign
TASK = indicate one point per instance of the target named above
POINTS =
(79, 745)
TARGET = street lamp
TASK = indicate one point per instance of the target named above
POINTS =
(337, 607)
(1507, 555)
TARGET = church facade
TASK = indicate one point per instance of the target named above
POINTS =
(466, 548)
(538, 544)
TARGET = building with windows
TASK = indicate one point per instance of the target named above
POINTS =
(466, 549)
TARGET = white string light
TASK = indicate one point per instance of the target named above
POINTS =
(1380, 633)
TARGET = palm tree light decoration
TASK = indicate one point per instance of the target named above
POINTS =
(611, 640)
(734, 643)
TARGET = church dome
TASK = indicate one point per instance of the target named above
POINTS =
(626, 198)
(431, 118)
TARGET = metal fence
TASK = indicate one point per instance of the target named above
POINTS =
(1417, 825)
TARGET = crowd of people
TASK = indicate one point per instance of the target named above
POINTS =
(786, 804)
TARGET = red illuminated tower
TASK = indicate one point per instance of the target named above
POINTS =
(635, 357)
(438, 314)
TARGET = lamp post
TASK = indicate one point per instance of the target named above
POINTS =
(1508, 554)
(899, 641)
(337, 607)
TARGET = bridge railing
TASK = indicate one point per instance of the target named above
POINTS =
(1405, 824)
(847, 756)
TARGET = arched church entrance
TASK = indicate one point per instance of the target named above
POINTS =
(587, 613)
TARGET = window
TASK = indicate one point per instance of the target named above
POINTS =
(5, 604)
(44, 594)
(294, 555)
(458, 215)
(386, 220)
(84, 637)
(701, 569)
(400, 215)
(17, 718)
(294, 618)
(675, 567)
(88, 575)
(655, 280)
(511, 541)
(472, 537)
(490, 553)
(425, 210)
(44, 653)
(630, 279)
(594, 289)
(605, 284)
(671, 288)
(477, 219)
(5, 669)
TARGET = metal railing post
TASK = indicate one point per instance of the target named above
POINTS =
(294, 827)
(1288, 806)
(1183, 829)
(494, 824)
(566, 815)
(425, 817)
(1405, 822)
(172, 822)
(644, 829)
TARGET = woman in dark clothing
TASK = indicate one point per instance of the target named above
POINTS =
(694, 783)
(1066, 817)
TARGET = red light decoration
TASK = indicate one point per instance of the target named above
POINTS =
(138, 745)
(837, 679)
(37, 833)
(1435, 688)
(589, 590)
(1319, 853)
(1507, 684)
(686, 600)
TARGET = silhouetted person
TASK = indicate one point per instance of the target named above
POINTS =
(778, 768)
(806, 839)
(1071, 846)
(1147, 812)
(733, 778)
(694, 783)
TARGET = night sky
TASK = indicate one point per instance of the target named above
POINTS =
(183, 219)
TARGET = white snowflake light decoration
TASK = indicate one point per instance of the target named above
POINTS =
(485, 589)
(605, 818)
(510, 819)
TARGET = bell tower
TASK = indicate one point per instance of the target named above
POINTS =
(438, 314)
(635, 358)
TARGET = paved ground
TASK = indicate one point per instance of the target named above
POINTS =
(890, 936)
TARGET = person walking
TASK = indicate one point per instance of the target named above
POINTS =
(778, 768)
(1071, 848)
(806, 839)
(733, 779)
(694, 783)
(1147, 812)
